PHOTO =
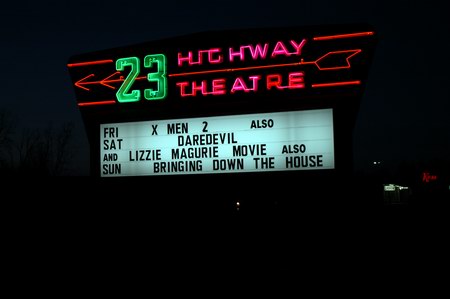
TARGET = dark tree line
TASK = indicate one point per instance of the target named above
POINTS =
(38, 152)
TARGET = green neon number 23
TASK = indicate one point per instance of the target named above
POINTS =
(124, 95)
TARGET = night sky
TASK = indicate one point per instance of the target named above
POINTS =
(404, 114)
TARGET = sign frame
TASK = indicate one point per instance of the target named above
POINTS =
(356, 42)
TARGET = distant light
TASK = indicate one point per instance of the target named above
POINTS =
(394, 187)
(428, 177)
(376, 162)
(237, 204)
(389, 187)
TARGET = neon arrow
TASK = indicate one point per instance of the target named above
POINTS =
(79, 84)
(348, 54)
(105, 82)
(316, 63)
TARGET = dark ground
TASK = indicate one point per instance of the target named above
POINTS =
(78, 236)
(86, 205)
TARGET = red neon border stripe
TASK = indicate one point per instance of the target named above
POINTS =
(348, 35)
(90, 62)
(97, 103)
(331, 84)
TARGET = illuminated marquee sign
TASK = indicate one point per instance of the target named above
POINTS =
(235, 101)
(279, 141)
(289, 62)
